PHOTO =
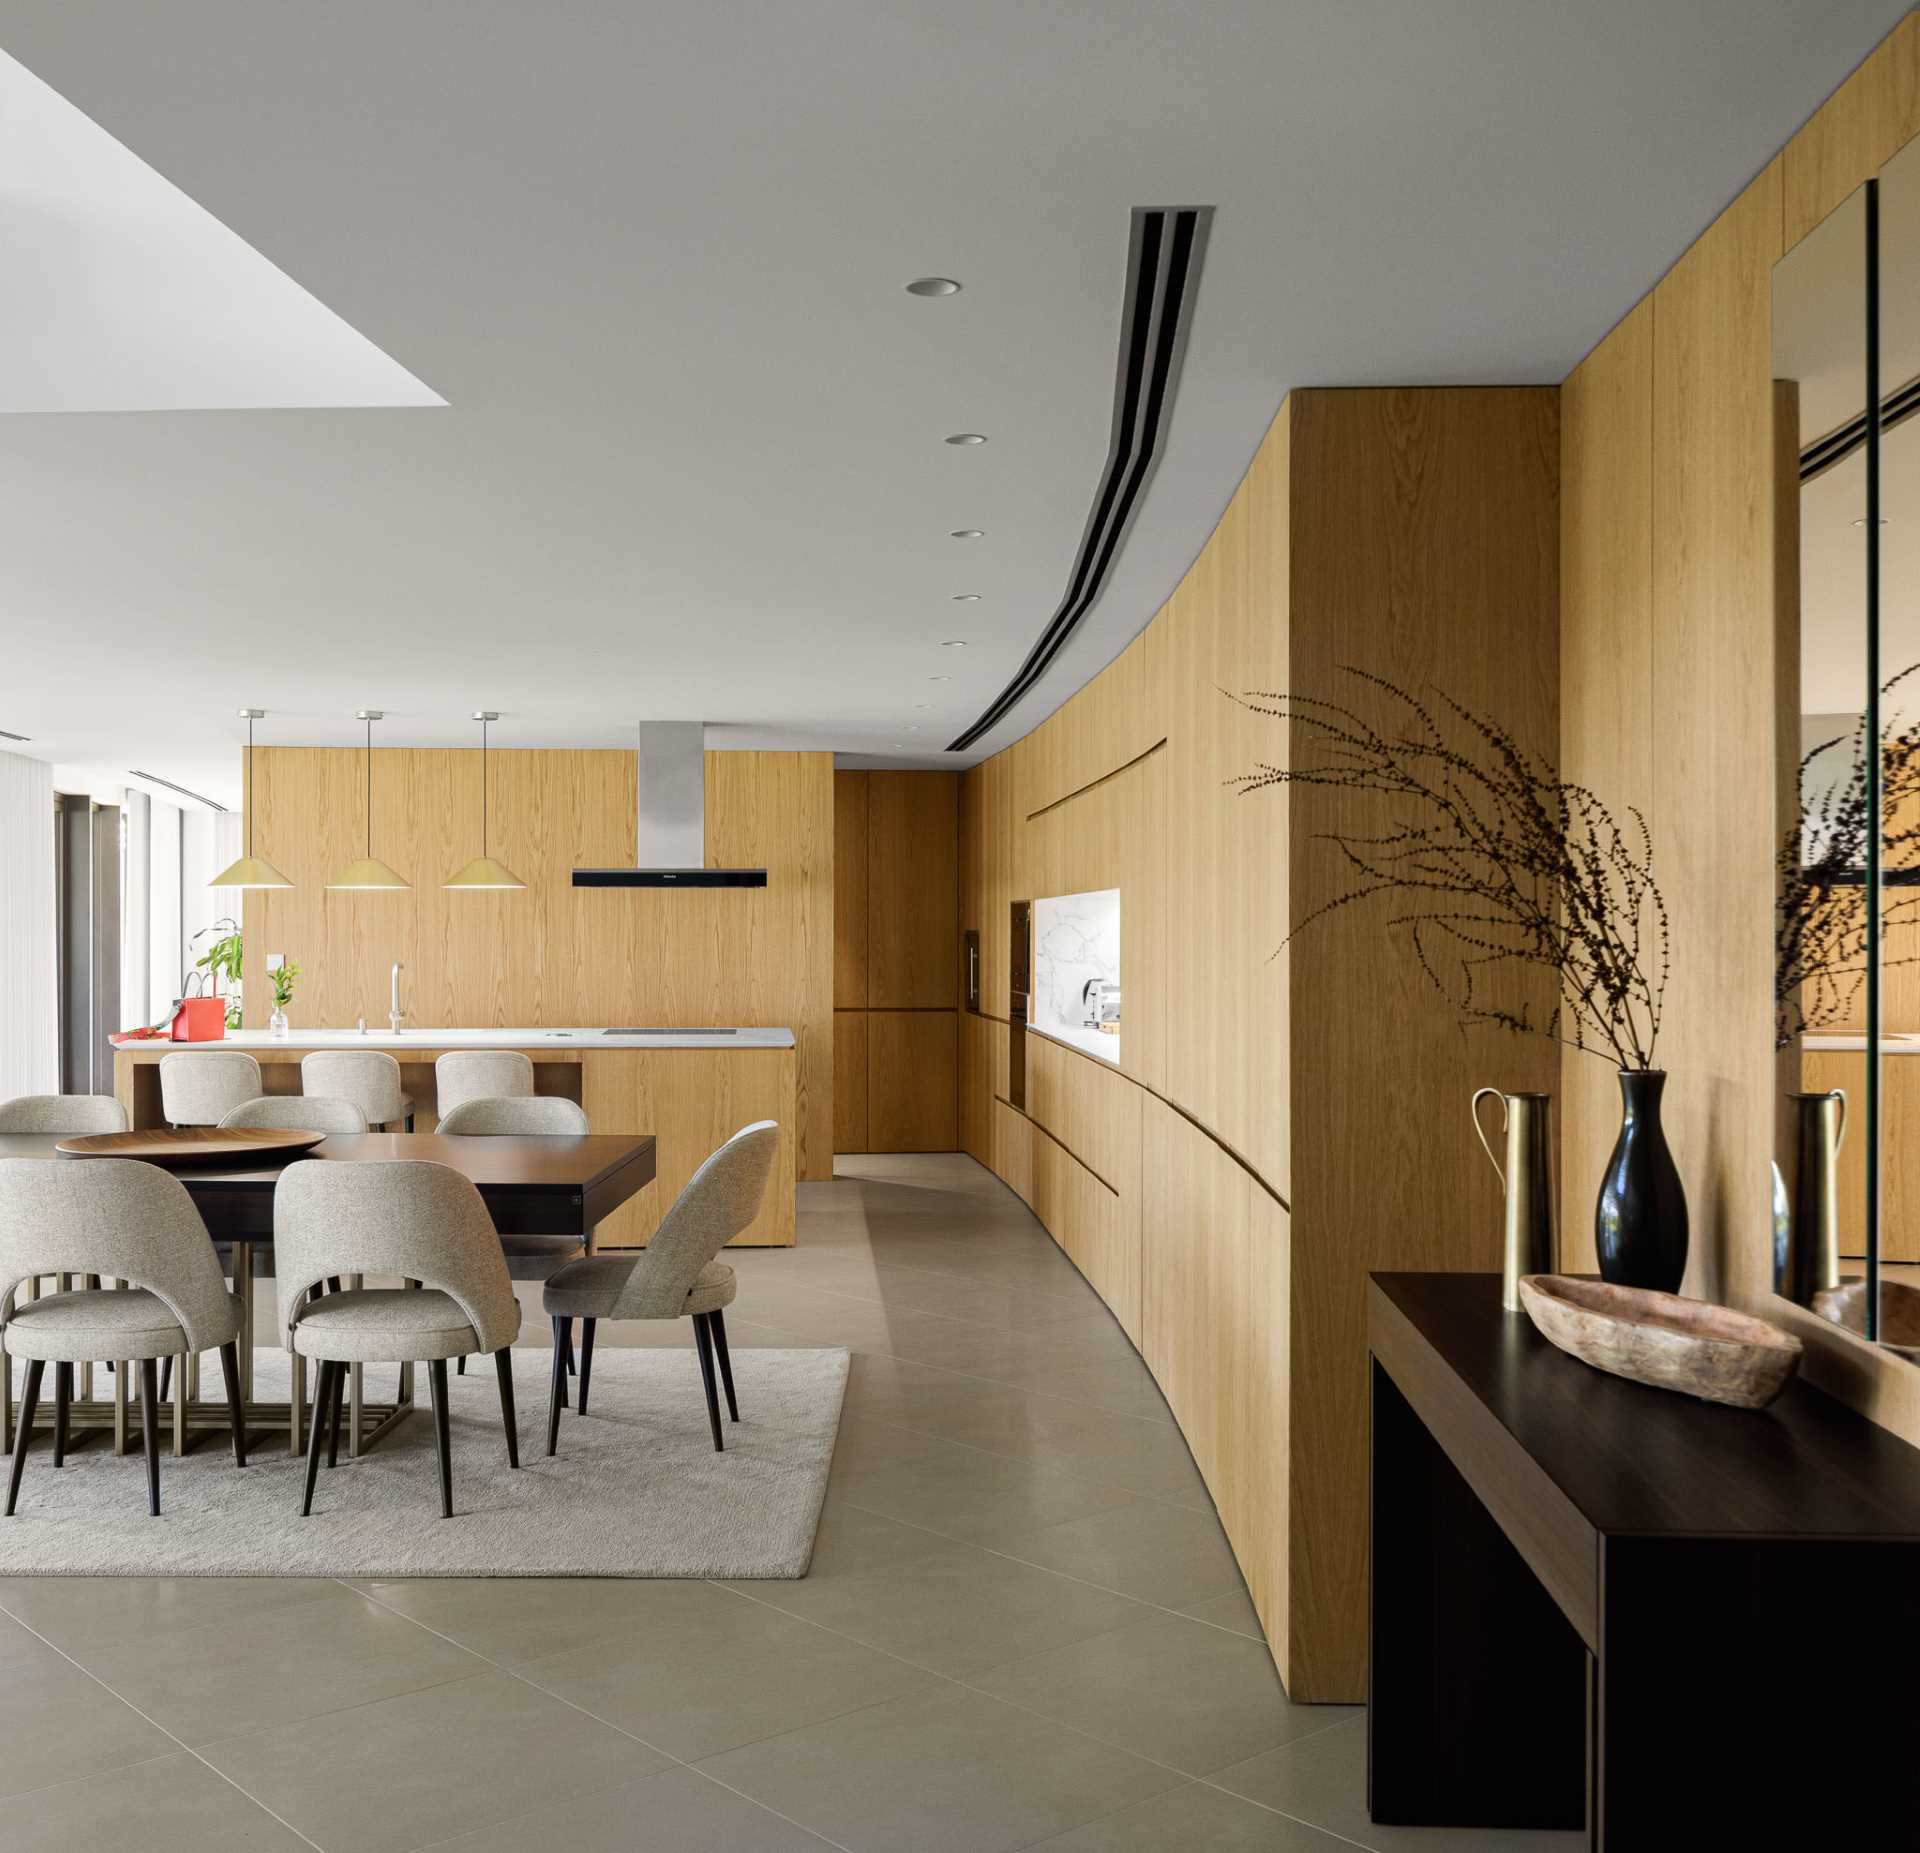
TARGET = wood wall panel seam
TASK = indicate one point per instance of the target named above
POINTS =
(1081, 790)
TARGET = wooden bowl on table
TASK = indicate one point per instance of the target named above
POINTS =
(194, 1145)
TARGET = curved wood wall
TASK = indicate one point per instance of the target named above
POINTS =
(1277, 1125)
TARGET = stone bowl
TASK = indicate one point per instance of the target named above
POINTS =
(1692, 1346)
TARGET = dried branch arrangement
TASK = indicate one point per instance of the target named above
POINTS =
(1494, 862)
(1820, 940)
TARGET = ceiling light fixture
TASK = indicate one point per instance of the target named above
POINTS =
(966, 437)
(369, 874)
(939, 678)
(923, 704)
(968, 534)
(250, 871)
(954, 643)
(933, 286)
(483, 871)
(966, 598)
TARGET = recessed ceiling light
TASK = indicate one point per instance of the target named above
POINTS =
(954, 643)
(923, 704)
(933, 286)
(966, 437)
(966, 598)
(939, 678)
(969, 534)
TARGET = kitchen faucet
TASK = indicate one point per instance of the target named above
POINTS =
(395, 1016)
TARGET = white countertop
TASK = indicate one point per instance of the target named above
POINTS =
(1892, 1042)
(381, 1037)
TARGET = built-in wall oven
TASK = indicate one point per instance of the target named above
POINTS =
(1020, 966)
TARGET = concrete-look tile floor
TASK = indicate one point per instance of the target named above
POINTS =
(1023, 1627)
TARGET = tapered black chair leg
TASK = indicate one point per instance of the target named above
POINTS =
(442, 1439)
(166, 1379)
(316, 1438)
(340, 1373)
(717, 1331)
(460, 1364)
(62, 1401)
(556, 1391)
(503, 1363)
(563, 1336)
(23, 1429)
(236, 1415)
(703, 1344)
(150, 1429)
(586, 1360)
(573, 1369)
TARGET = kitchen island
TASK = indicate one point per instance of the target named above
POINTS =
(690, 1089)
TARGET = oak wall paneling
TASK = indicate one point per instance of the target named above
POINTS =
(551, 955)
(849, 891)
(850, 1081)
(913, 893)
(913, 1065)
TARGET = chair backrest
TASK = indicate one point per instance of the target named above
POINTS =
(202, 1088)
(114, 1217)
(721, 1199)
(523, 1113)
(370, 1078)
(480, 1074)
(66, 1116)
(425, 1222)
(298, 1113)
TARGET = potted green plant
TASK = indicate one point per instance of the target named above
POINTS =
(281, 977)
(221, 963)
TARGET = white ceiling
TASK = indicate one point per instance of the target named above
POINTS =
(689, 462)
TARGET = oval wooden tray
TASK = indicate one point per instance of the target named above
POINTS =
(192, 1145)
(1692, 1346)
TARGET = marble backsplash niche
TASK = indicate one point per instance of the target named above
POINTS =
(1076, 941)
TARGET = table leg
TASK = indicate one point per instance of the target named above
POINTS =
(1477, 1690)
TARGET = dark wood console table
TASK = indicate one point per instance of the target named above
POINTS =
(1599, 1604)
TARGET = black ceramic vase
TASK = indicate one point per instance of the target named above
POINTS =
(1640, 1223)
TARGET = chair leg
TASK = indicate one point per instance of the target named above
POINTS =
(166, 1379)
(23, 1429)
(323, 1405)
(586, 1360)
(442, 1440)
(236, 1415)
(62, 1402)
(503, 1363)
(334, 1412)
(460, 1364)
(703, 1344)
(557, 1391)
(150, 1429)
(563, 1338)
(717, 1331)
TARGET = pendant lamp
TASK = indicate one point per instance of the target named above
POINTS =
(250, 871)
(369, 875)
(483, 871)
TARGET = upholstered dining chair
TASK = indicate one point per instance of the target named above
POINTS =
(480, 1074)
(370, 1078)
(676, 1275)
(298, 1113)
(423, 1222)
(64, 1116)
(121, 1218)
(529, 1257)
(202, 1087)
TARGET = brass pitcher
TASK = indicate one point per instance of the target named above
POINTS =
(1811, 1202)
(1527, 1122)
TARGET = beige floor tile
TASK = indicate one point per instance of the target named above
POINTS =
(406, 1772)
(19, 1643)
(908, 1395)
(1234, 1611)
(1124, 1385)
(275, 1666)
(849, 1542)
(515, 1618)
(1194, 1817)
(958, 1610)
(174, 1804)
(1159, 1553)
(949, 1771)
(56, 1724)
(74, 1611)
(706, 1679)
(1164, 1687)
(679, 1811)
(1323, 1779)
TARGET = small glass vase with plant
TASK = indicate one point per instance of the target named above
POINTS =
(281, 977)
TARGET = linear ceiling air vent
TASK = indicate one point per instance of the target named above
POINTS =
(212, 804)
(1163, 268)
(1840, 444)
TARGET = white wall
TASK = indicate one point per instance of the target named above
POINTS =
(29, 1001)
(209, 840)
(165, 964)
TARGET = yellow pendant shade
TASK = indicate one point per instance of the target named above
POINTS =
(250, 872)
(484, 872)
(369, 873)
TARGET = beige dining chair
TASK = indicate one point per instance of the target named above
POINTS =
(63, 1116)
(370, 1078)
(676, 1275)
(529, 1257)
(298, 1113)
(120, 1218)
(480, 1074)
(421, 1222)
(202, 1087)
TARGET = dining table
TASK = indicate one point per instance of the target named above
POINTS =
(554, 1185)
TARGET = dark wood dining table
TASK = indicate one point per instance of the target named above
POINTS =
(564, 1184)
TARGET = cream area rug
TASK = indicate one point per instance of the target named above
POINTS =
(635, 1490)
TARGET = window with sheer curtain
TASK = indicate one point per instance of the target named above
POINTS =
(29, 966)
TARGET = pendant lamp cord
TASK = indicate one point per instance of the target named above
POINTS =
(249, 787)
(483, 785)
(369, 790)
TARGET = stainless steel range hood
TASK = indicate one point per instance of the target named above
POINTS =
(671, 838)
